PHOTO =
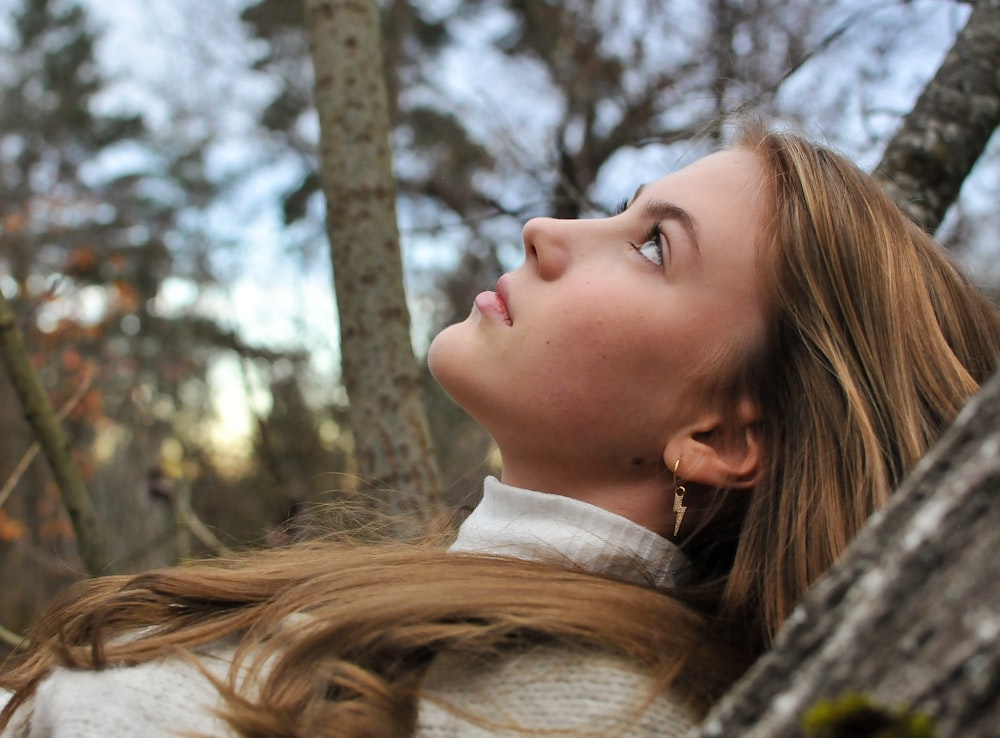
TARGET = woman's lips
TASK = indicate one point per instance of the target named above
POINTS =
(494, 304)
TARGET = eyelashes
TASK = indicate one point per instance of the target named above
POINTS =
(651, 251)
(654, 243)
(655, 233)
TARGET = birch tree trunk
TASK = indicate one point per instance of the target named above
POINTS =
(909, 617)
(933, 151)
(388, 418)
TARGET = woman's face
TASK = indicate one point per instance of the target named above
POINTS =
(586, 362)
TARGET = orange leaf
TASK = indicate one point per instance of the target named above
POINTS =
(128, 296)
(15, 222)
(81, 260)
(118, 261)
(55, 529)
(10, 529)
(71, 359)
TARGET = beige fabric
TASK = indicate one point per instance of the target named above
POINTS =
(167, 697)
(547, 691)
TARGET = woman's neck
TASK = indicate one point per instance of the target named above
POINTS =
(642, 498)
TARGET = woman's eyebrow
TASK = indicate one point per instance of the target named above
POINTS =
(662, 210)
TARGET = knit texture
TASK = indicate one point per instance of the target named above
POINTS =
(547, 691)
(166, 697)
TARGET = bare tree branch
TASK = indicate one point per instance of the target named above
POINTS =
(52, 439)
(11, 638)
(938, 143)
(25, 462)
(187, 518)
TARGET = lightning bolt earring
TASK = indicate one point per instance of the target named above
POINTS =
(679, 507)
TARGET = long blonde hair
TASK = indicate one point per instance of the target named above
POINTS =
(873, 344)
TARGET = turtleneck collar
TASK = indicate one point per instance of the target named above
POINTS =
(525, 524)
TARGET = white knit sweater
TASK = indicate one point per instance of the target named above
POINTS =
(550, 690)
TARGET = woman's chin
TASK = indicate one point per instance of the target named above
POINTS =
(453, 363)
(441, 355)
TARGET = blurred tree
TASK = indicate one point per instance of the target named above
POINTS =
(54, 230)
(51, 439)
(299, 449)
(95, 215)
(388, 420)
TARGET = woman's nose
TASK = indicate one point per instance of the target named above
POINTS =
(546, 244)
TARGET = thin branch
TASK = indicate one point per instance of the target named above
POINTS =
(52, 438)
(12, 639)
(187, 516)
(32, 452)
(824, 45)
(19, 469)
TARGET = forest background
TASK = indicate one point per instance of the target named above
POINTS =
(162, 232)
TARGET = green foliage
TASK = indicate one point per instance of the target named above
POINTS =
(858, 716)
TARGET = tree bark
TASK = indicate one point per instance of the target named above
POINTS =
(940, 140)
(910, 617)
(380, 372)
(52, 439)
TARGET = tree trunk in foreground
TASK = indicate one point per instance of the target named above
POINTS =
(934, 150)
(39, 413)
(388, 418)
(910, 617)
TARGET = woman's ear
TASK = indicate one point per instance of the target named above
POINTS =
(722, 451)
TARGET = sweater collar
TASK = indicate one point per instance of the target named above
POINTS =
(523, 523)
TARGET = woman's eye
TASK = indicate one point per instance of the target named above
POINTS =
(652, 250)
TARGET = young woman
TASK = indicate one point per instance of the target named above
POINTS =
(698, 401)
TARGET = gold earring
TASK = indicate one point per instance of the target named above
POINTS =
(679, 491)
